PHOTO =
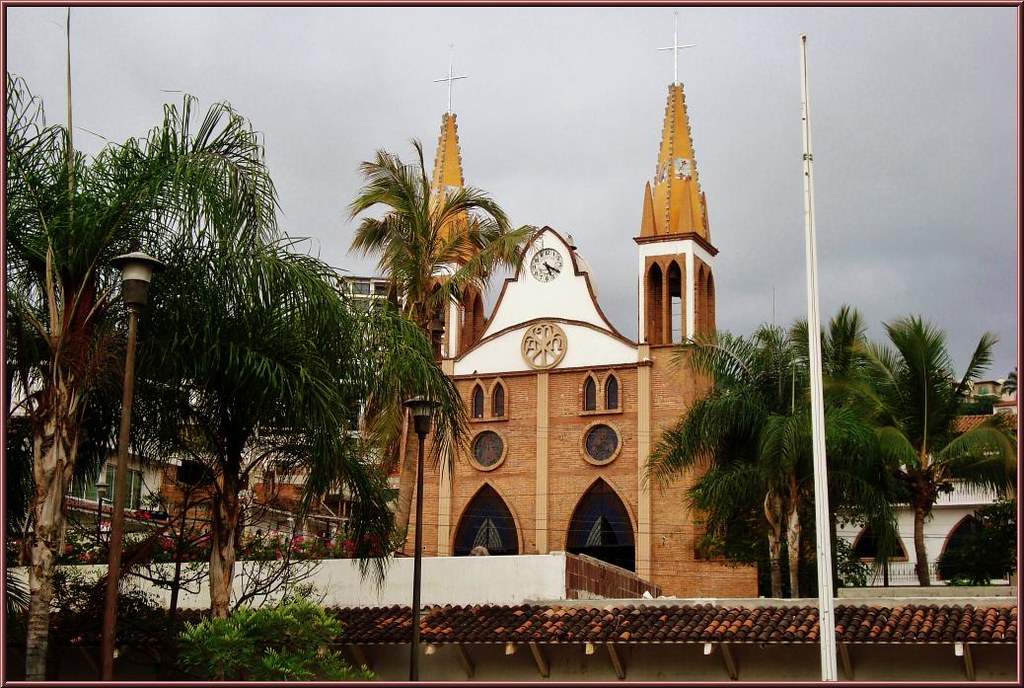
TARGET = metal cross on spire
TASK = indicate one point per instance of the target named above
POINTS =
(451, 75)
(675, 48)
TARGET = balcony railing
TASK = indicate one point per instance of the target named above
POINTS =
(902, 573)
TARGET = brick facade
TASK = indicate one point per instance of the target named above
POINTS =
(673, 528)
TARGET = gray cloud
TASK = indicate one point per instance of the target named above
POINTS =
(914, 129)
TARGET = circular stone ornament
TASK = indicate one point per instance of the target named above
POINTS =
(601, 444)
(544, 345)
(488, 450)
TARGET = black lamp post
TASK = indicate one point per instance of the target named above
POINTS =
(101, 492)
(422, 410)
(136, 273)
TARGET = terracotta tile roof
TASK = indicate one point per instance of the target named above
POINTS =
(679, 624)
(965, 423)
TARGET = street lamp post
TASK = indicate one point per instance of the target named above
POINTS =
(136, 273)
(422, 410)
(101, 492)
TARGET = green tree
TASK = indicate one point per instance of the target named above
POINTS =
(255, 359)
(67, 216)
(916, 399)
(1010, 386)
(752, 435)
(989, 551)
(431, 249)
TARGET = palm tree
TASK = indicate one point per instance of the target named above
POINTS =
(67, 216)
(916, 400)
(256, 361)
(431, 249)
(1010, 386)
(752, 434)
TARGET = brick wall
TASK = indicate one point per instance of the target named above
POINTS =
(589, 578)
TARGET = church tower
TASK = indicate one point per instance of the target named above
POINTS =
(464, 319)
(676, 296)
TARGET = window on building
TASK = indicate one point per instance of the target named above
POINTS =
(611, 392)
(600, 527)
(498, 401)
(362, 288)
(866, 546)
(590, 395)
(478, 402)
(85, 488)
(380, 288)
(487, 526)
(133, 499)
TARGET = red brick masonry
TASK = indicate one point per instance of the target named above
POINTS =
(679, 624)
(586, 578)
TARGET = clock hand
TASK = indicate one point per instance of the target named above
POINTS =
(550, 268)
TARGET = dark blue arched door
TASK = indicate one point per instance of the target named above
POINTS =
(486, 522)
(600, 528)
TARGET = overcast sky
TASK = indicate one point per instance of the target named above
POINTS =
(914, 118)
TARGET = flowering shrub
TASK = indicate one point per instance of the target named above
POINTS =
(81, 549)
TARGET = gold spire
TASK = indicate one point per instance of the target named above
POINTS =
(678, 204)
(447, 166)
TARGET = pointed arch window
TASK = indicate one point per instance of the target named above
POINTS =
(498, 401)
(611, 392)
(867, 544)
(478, 401)
(601, 528)
(486, 522)
(590, 394)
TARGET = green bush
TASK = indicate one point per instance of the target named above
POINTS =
(290, 642)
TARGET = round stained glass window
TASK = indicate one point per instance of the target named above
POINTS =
(601, 443)
(488, 449)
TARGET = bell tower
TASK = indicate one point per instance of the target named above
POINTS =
(464, 319)
(676, 295)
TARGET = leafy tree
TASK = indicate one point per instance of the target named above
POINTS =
(1010, 386)
(290, 642)
(980, 405)
(915, 401)
(67, 216)
(431, 248)
(989, 551)
(752, 434)
(255, 359)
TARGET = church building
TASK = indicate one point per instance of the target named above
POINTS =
(565, 410)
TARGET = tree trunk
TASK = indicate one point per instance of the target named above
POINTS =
(222, 539)
(775, 562)
(793, 530)
(773, 514)
(923, 575)
(406, 481)
(54, 450)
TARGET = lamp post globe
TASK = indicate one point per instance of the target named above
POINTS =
(422, 411)
(137, 271)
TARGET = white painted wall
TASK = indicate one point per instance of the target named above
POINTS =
(586, 347)
(566, 296)
(446, 580)
(947, 513)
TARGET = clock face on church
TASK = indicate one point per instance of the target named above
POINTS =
(546, 264)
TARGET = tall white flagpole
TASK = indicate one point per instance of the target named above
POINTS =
(826, 610)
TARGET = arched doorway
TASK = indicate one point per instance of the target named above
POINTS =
(600, 527)
(486, 522)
